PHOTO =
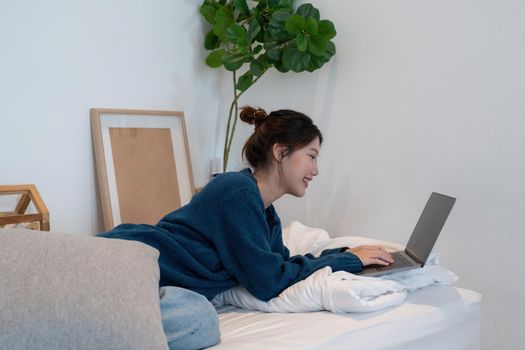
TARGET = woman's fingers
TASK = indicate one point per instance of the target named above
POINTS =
(372, 255)
(378, 253)
(378, 262)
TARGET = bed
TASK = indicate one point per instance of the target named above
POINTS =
(61, 291)
(438, 317)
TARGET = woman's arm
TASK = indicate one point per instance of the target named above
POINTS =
(243, 244)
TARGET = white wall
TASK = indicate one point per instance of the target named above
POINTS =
(60, 58)
(423, 96)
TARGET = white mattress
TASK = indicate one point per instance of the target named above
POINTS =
(438, 317)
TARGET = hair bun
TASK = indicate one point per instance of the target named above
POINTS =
(252, 115)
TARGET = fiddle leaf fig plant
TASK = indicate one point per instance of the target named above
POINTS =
(248, 37)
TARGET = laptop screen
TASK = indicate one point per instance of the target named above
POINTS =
(429, 225)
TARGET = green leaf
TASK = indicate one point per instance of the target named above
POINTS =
(281, 5)
(237, 35)
(317, 45)
(223, 19)
(302, 42)
(281, 68)
(273, 50)
(253, 29)
(208, 12)
(295, 24)
(257, 49)
(241, 6)
(265, 60)
(233, 62)
(307, 10)
(326, 29)
(262, 35)
(260, 16)
(214, 59)
(330, 50)
(270, 45)
(317, 62)
(262, 5)
(211, 41)
(295, 60)
(311, 26)
(245, 81)
(240, 18)
(275, 55)
(257, 67)
(276, 27)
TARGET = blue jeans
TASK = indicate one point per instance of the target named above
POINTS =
(189, 319)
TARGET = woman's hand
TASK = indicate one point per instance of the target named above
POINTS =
(372, 254)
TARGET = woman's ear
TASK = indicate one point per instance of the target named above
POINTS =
(278, 152)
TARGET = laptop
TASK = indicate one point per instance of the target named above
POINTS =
(423, 237)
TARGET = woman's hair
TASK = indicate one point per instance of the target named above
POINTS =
(286, 127)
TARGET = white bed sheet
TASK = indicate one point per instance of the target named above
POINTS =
(438, 317)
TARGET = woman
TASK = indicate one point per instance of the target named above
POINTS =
(230, 234)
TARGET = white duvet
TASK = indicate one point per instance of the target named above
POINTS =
(338, 291)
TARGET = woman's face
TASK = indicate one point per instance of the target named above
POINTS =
(299, 168)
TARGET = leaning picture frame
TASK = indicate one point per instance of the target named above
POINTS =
(143, 164)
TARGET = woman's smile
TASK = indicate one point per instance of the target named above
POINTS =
(306, 180)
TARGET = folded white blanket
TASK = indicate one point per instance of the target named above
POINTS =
(338, 291)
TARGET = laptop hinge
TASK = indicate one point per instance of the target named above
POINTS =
(414, 256)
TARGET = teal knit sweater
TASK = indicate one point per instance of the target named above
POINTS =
(225, 237)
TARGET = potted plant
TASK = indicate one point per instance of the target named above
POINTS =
(248, 37)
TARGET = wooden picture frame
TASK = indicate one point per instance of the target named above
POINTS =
(143, 164)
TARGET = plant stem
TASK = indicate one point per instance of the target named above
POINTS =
(227, 137)
(234, 104)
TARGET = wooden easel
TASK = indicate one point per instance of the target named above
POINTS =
(29, 193)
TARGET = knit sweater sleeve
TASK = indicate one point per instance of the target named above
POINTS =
(244, 247)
